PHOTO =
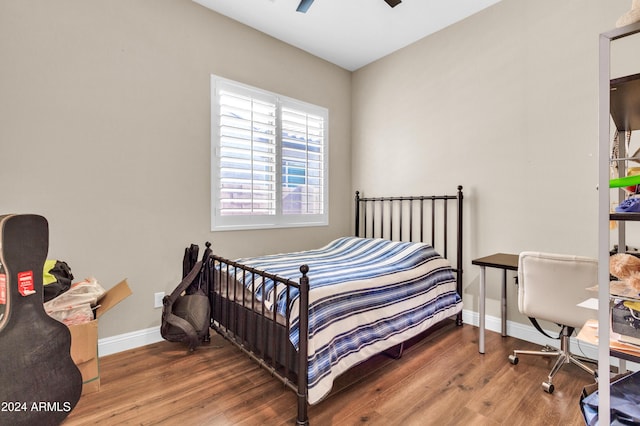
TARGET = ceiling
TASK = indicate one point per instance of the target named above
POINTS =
(348, 33)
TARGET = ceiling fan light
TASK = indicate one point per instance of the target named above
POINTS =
(393, 3)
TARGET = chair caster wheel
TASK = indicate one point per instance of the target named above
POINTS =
(548, 387)
(513, 359)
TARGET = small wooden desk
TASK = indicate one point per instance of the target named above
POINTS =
(506, 262)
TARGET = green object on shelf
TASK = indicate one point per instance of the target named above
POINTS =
(624, 181)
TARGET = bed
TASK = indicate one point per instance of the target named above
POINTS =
(309, 316)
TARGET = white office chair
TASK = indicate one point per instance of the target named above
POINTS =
(550, 286)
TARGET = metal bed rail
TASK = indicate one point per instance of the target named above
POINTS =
(262, 334)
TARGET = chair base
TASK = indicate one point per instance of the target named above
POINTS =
(564, 356)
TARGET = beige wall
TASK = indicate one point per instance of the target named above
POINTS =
(105, 130)
(505, 104)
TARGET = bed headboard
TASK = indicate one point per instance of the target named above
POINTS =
(422, 218)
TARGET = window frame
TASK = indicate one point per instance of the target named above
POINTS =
(279, 219)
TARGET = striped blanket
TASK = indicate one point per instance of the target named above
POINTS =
(367, 295)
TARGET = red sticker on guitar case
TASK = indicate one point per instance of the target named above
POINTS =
(25, 283)
(3, 289)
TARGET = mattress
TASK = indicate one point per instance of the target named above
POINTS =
(366, 295)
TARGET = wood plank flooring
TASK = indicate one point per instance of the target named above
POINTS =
(440, 380)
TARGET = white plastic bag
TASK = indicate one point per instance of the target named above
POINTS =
(74, 306)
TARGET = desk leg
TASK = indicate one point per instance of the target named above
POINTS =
(481, 301)
(503, 308)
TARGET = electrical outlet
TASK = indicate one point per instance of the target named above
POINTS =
(157, 299)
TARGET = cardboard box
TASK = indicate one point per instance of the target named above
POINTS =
(84, 338)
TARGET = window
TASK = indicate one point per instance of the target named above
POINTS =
(269, 159)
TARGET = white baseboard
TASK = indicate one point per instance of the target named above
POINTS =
(135, 339)
(126, 341)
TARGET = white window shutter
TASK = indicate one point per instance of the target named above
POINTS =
(269, 159)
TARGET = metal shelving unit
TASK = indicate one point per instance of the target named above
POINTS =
(618, 99)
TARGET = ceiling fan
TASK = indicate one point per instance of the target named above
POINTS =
(305, 4)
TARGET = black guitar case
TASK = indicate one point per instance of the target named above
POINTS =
(39, 383)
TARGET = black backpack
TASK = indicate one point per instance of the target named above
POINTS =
(62, 273)
(186, 311)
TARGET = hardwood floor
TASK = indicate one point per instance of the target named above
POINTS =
(440, 380)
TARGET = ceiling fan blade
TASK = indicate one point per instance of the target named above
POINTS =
(393, 3)
(304, 6)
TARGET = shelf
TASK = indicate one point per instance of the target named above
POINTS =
(624, 355)
(589, 334)
(619, 100)
(636, 159)
(619, 290)
(625, 216)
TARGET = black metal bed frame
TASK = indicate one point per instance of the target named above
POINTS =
(404, 207)
(264, 335)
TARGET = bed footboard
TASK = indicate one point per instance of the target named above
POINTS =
(262, 334)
